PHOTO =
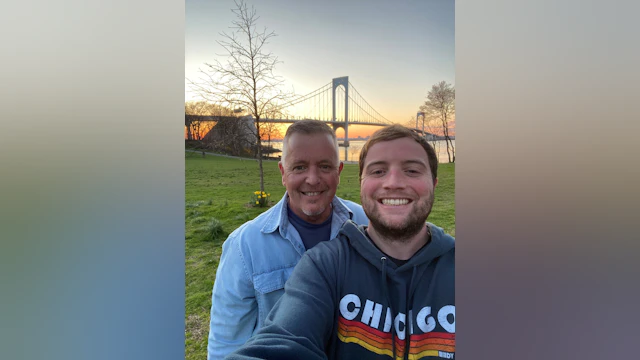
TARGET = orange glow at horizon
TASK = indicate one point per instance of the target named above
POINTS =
(354, 131)
(203, 130)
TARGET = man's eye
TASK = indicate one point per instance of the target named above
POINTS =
(414, 172)
(377, 172)
(298, 168)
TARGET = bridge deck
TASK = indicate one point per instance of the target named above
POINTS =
(189, 118)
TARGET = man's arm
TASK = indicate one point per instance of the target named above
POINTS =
(301, 322)
(234, 310)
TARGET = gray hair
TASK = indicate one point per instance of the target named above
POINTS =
(309, 127)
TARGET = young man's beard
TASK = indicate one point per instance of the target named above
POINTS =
(407, 229)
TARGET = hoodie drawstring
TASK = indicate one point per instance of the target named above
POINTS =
(409, 327)
(386, 298)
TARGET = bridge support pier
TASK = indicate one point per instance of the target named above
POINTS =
(345, 144)
(344, 81)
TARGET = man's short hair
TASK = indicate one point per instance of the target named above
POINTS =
(393, 132)
(309, 127)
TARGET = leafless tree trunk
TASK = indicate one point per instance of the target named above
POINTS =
(246, 81)
(440, 103)
(193, 123)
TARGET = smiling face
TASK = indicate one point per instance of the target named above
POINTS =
(311, 174)
(397, 188)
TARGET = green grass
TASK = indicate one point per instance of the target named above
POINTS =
(217, 191)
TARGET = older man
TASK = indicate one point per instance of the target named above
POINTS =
(377, 292)
(259, 256)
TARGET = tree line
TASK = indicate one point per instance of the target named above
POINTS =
(229, 131)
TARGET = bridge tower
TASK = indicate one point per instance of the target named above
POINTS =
(344, 81)
(420, 113)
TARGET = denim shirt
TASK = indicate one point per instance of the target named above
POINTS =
(256, 261)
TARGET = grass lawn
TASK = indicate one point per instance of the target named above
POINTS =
(218, 191)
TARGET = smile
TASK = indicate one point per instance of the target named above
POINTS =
(395, 202)
(311, 193)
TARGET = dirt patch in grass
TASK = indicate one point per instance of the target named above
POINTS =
(197, 327)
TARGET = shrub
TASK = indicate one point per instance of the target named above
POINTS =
(213, 230)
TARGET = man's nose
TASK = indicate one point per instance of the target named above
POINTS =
(394, 179)
(313, 177)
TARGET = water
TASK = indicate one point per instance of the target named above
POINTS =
(353, 152)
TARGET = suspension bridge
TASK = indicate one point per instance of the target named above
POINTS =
(338, 103)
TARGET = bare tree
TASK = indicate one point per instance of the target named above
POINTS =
(354, 150)
(432, 126)
(440, 104)
(270, 130)
(246, 80)
(196, 127)
(411, 123)
(429, 126)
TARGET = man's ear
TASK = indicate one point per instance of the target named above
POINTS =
(340, 171)
(281, 167)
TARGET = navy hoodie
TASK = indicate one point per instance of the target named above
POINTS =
(347, 300)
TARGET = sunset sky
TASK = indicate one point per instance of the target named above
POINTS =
(392, 51)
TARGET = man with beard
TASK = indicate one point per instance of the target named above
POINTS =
(379, 291)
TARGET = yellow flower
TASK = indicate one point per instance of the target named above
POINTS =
(257, 192)
(268, 194)
(257, 202)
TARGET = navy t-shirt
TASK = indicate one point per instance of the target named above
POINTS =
(311, 234)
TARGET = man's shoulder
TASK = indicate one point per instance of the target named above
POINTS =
(445, 241)
(356, 209)
(253, 228)
(349, 204)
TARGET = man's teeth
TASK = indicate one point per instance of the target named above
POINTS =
(395, 201)
(312, 193)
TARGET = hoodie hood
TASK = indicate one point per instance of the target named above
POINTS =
(440, 244)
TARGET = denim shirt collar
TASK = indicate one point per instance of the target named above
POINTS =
(279, 219)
